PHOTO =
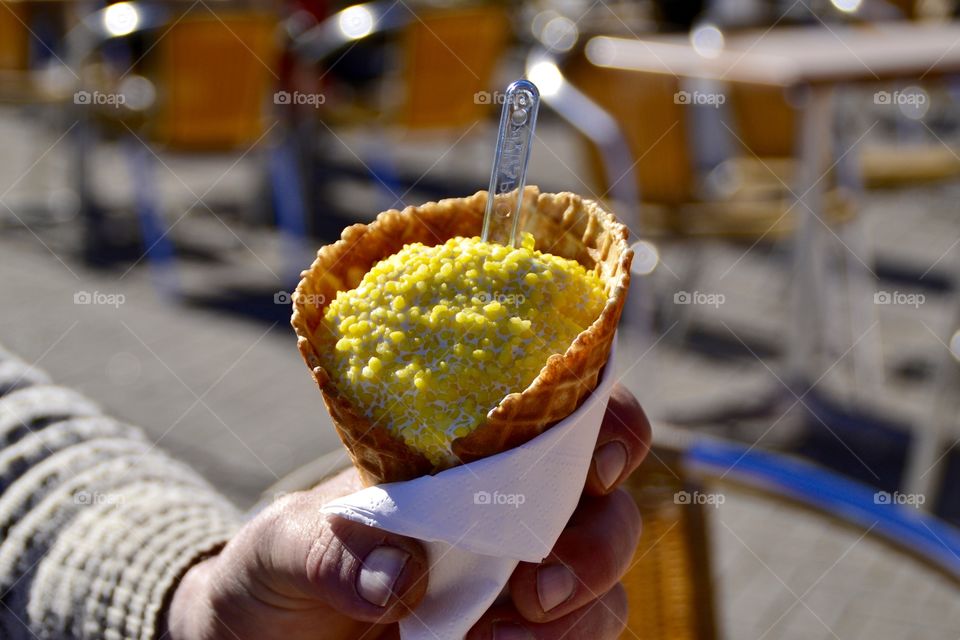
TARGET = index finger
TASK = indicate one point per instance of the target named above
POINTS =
(623, 443)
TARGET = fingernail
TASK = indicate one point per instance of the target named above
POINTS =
(510, 631)
(611, 459)
(555, 585)
(380, 571)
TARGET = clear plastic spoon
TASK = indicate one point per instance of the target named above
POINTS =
(509, 173)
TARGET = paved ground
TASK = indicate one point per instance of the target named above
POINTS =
(816, 578)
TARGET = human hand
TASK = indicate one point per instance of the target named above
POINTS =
(574, 593)
(295, 573)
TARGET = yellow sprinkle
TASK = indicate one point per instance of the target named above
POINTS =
(516, 325)
(493, 308)
(447, 348)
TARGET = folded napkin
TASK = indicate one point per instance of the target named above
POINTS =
(478, 520)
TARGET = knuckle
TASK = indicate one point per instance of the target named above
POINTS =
(325, 557)
(626, 421)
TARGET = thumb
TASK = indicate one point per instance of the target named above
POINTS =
(359, 571)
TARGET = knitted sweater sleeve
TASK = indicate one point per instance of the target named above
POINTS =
(96, 524)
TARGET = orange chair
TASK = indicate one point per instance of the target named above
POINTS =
(219, 104)
(214, 107)
(765, 122)
(675, 200)
(448, 57)
(14, 37)
(669, 584)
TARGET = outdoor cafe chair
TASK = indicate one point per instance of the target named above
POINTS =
(221, 107)
(638, 135)
(438, 86)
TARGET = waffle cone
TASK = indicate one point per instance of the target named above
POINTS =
(563, 224)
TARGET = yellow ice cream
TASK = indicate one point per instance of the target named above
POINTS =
(434, 337)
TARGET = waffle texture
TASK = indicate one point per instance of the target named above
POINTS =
(563, 224)
(96, 525)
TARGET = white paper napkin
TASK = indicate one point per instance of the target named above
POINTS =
(479, 520)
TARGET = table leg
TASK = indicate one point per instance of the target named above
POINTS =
(926, 461)
(861, 281)
(805, 329)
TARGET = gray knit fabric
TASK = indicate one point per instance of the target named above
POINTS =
(96, 524)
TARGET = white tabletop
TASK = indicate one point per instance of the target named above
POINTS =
(796, 55)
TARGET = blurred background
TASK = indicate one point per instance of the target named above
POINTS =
(789, 172)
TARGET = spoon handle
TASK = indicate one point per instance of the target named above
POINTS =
(514, 140)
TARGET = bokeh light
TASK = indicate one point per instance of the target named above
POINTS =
(646, 257)
(547, 77)
(913, 102)
(559, 34)
(356, 22)
(139, 92)
(707, 40)
(121, 19)
(847, 6)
